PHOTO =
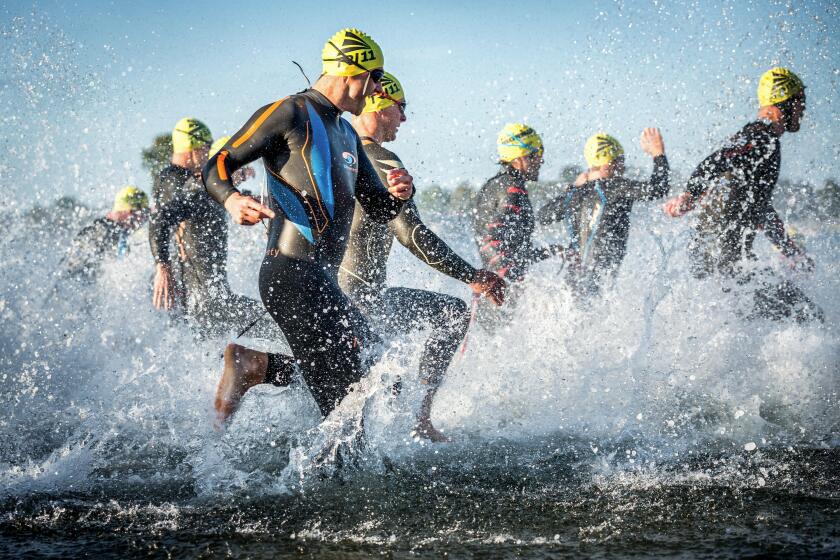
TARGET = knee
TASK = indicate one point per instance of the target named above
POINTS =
(455, 315)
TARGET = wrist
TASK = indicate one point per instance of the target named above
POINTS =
(231, 196)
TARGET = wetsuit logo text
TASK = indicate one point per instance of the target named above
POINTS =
(350, 161)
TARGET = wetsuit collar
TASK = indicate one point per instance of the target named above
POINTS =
(767, 126)
(321, 99)
(513, 172)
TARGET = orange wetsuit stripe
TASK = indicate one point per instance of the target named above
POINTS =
(261, 119)
(220, 165)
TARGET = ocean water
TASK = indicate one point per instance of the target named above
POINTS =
(657, 421)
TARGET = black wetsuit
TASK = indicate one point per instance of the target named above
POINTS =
(735, 186)
(503, 224)
(597, 220)
(200, 244)
(398, 310)
(316, 170)
(91, 244)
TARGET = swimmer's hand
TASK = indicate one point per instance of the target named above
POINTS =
(163, 296)
(652, 142)
(679, 205)
(796, 258)
(490, 285)
(400, 184)
(245, 210)
(801, 263)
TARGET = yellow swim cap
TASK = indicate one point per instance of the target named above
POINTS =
(218, 145)
(130, 198)
(600, 149)
(517, 140)
(189, 134)
(351, 52)
(778, 85)
(393, 93)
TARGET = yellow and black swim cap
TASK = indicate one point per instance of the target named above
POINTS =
(778, 85)
(130, 198)
(517, 140)
(189, 134)
(601, 149)
(393, 93)
(218, 145)
(351, 52)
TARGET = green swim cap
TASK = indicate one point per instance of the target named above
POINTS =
(190, 134)
(130, 198)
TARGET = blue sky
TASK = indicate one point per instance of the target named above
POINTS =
(86, 85)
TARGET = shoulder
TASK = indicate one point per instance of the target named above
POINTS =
(173, 172)
(279, 111)
(495, 182)
(753, 135)
(97, 228)
(288, 103)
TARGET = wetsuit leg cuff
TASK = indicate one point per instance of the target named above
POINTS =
(280, 370)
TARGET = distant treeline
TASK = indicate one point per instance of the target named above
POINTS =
(798, 200)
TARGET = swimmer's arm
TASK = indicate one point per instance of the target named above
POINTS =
(79, 254)
(774, 229)
(509, 216)
(658, 185)
(742, 150)
(424, 244)
(554, 210)
(544, 253)
(376, 199)
(504, 232)
(263, 134)
(165, 219)
(710, 169)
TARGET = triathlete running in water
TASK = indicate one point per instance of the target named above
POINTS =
(596, 208)
(504, 218)
(107, 235)
(363, 271)
(184, 211)
(733, 188)
(316, 171)
(191, 140)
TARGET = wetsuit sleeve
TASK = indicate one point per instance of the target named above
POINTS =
(657, 186)
(740, 151)
(506, 232)
(374, 197)
(166, 218)
(774, 229)
(86, 247)
(554, 210)
(544, 253)
(423, 243)
(263, 134)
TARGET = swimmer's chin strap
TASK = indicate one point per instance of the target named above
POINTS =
(309, 83)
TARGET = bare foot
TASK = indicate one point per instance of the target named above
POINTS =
(424, 429)
(244, 368)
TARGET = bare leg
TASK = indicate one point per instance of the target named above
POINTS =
(244, 368)
(424, 427)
